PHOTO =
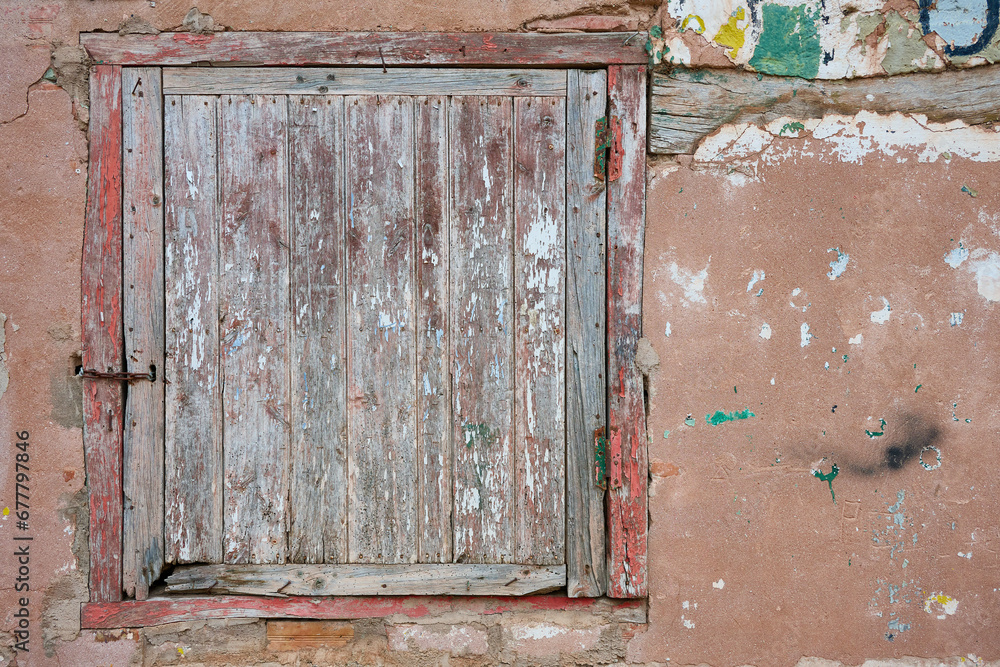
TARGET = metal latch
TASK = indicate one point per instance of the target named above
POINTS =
(120, 376)
(608, 137)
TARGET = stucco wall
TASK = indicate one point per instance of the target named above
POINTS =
(801, 286)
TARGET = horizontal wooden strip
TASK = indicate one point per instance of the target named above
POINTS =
(362, 81)
(295, 635)
(368, 48)
(406, 579)
(688, 105)
(160, 610)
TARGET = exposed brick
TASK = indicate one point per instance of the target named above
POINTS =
(585, 23)
(546, 639)
(455, 639)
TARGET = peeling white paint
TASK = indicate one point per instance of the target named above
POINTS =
(666, 331)
(856, 340)
(765, 331)
(882, 316)
(758, 275)
(956, 256)
(956, 319)
(805, 336)
(839, 265)
(692, 282)
(720, 584)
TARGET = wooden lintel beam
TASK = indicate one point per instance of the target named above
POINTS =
(157, 611)
(374, 49)
(688, 105)
(403, 579)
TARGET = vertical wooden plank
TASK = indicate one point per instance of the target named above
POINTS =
(434, 444)
(586, 389)
(539, 331)
(254, 314)
(193, 444)
(482, 297)
(103, 343)
(627, 459)
(318, 475)
(382, 443)
(142, 266)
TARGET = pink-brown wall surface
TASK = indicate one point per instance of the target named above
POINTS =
(814, 296)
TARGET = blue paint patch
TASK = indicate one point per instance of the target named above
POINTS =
(968, 26)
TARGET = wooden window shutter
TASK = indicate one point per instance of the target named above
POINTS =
(380, 321)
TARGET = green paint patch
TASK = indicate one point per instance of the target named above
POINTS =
(666, 434)
(969, 191)
(791, 127)
(482, 432)
(721, 417)
(828, 477)
(789, 42)
(689, 421)
(876, 434)
(906, 46)
(918, 388)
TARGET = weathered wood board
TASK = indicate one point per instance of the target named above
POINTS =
(363, 81)
(688, 105)
(539, 330)
(193, 444)
(254, 326)
(161, 610)
(317, 531)
(482, 328)
(433, 333)
(626, 450)
(143, 306)
(373, 49)
(381, 382)
(586, 366)
(414, 579)
(103, 342)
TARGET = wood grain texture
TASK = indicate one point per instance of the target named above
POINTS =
(586, 388)
(296, 635)
(363, 81)
(627, 457)
(158, 611)
(103, 342)
(143, 310)
(193, 445)
(434, 434)
(367, 48)
(482, 328)
(381, 382)
(688, 105)
(318, 476)
(410, 579)
(539, 330)
(254, 314)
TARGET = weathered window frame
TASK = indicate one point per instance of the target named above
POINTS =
(102, 294)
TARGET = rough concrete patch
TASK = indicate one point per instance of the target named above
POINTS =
(61, 601)
(208, 641)
(136, 25)
(646, 357)
(71, 66)
(198, 23)
(67, 395)
(457, 640)
(4, 373)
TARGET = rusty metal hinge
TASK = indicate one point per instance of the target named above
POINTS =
(608, 137)
(600, 459)
(120, 376)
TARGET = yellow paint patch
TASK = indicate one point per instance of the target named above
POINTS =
(701, 24)
(6, 511)
(949, 605)
(731, 34)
